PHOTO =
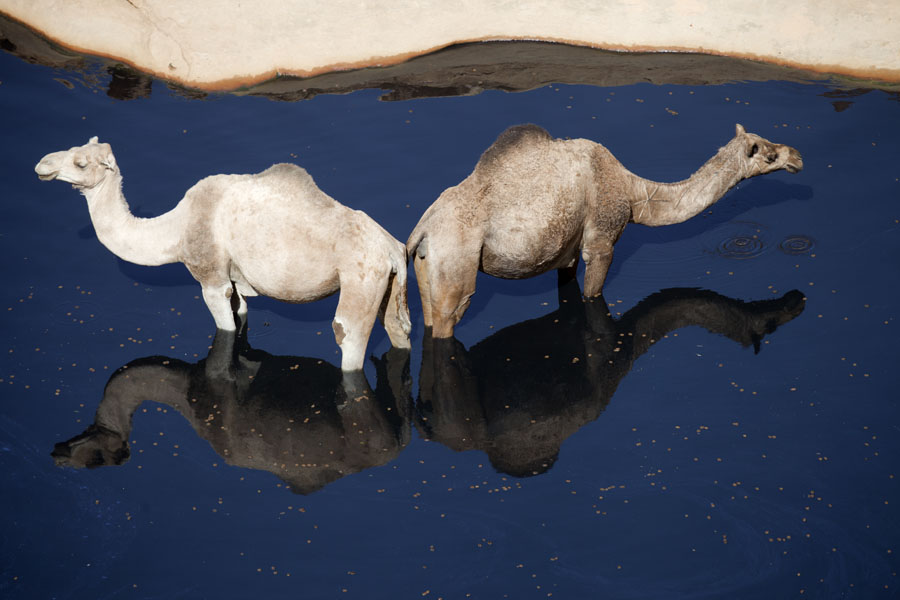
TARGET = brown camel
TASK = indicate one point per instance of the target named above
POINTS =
(274, 233)
(534, 203)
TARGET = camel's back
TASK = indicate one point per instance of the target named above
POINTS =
(283, 195)
(526, 168)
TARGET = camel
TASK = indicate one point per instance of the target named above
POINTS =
(520, 393)
(534, 203)
(273, 233)
(300, 418)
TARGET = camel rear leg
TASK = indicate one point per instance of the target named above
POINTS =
(356, 312)
(394, 311)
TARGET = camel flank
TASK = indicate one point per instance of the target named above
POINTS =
(534, 203)
(273, 233)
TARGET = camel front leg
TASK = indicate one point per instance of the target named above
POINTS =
(239, 308)
(218, 301)
(451, 295)
(597, 258)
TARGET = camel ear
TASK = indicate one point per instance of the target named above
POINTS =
(109, 162)
(93, 140)
(739, 129)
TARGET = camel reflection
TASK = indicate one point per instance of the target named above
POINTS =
(518, 394)
(299, 418)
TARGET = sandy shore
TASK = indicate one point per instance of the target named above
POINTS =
(212, 45)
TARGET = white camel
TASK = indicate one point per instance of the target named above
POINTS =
(273, 233)
(534, 203)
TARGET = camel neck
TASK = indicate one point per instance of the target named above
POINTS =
(132, 385)
(148, 242)
(656, 203)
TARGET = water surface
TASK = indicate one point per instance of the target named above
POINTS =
(735, 456)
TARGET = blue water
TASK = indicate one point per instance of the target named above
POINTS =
(690, 468)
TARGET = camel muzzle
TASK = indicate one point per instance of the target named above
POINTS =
(48, 168)
(794, 163)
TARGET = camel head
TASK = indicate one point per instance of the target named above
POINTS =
(763, 156)
(96, 447)
(82, 166)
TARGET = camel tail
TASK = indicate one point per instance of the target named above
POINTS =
(396, 311)
(415, 240)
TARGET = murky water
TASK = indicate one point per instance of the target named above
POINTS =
(715, 435)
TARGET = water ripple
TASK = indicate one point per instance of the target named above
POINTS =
(797, 244)
(740, 247)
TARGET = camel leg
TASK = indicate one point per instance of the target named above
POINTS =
(597, 258)
(394, 312)
(241, 308)
(218, 301)
(421, 267)
(452, 290)
(353, 320)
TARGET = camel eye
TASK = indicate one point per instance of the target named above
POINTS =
(753, 150)
(81, 162)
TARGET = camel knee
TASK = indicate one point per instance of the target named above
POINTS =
(351, 342)
(218, 301)
(447, 314)
(596, 266)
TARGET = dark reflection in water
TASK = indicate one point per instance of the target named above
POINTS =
(520, 393)
(299, 418)
(127, 84)
(517, 395)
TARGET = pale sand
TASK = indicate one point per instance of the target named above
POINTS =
(219, 45)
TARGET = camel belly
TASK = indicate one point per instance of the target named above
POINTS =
(286, 280)
(281, 256)
(516, 254)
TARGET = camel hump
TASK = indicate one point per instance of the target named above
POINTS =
(294, 180)
(517, 138)
(288, 171)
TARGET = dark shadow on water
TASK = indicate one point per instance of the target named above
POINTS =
(163, 276)
(520, 393)
(300, 418)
